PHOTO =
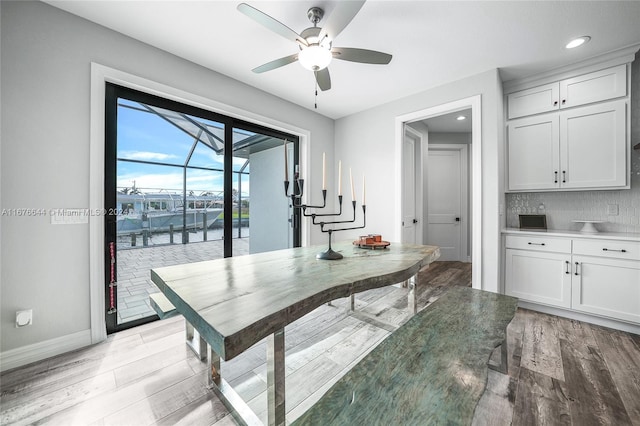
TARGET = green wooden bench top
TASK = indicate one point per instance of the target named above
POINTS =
(162, 306)
(432, 370)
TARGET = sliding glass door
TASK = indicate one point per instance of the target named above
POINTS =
(183, 185)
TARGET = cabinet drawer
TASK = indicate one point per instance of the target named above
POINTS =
(608, 248)
(538, 243)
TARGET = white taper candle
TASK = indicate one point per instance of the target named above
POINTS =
(324, 172)
(353, 191)
(364, 202)
(286, 162)
(340, 177)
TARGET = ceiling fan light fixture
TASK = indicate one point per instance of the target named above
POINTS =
(314, 57)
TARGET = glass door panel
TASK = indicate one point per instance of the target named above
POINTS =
(180, 180)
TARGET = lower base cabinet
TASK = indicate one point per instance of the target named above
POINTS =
(546, 270)
(609, 287)
(539, 277)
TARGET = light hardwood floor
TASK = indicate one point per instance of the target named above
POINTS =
(560, 372)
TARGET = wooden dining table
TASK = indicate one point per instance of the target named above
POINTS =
(235, 302)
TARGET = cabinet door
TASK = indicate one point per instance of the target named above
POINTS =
(539, 277)
(593, 146)
(608, 287)
(594, 87)
(533, 152)
(533, 101)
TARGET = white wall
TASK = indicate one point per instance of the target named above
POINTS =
(269, 228)
(366, 142)
(45, 82)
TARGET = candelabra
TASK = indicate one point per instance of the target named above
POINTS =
(326, 226)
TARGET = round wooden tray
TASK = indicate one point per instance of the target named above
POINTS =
(374, 245)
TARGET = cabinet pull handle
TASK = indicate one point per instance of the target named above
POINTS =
(536, 244)
(566, 271)
(555, 103)
(564, 176)
(621, 251)
(555, 179)
(564, 101)
(576, 273)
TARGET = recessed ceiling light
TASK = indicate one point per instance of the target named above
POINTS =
(461, 117)
(578, 41)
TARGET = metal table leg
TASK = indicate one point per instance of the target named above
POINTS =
(234, 403)
(413, 295)
(275, 379)
(195, 341)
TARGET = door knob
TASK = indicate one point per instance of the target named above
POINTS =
(457, 219)
(415, 220)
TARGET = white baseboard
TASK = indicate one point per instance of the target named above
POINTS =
(592, 319)
(38, 351)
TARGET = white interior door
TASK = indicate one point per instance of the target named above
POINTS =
(409, 216)
(445, 219)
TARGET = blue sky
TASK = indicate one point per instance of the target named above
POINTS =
(148, 137)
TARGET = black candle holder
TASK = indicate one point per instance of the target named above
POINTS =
(296, 203)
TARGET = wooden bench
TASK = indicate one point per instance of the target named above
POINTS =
(165, 309)
(432, 370)
(162, 306)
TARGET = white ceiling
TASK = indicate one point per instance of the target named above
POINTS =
(448, 123)
(432, 42)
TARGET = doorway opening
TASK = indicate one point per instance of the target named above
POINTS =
(446, 159)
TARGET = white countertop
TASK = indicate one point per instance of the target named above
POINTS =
(623, 236)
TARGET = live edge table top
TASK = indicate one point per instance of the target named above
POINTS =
(236, 302)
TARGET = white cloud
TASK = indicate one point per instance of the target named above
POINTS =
(146, 155)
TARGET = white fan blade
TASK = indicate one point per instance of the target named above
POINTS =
(272, 24)
(361, 55)
(344, 12)
(276, 64)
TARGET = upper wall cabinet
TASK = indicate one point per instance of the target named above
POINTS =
(571, 134)
(588, 88)
(578, 148)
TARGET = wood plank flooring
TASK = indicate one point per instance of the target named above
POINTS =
(560, 371)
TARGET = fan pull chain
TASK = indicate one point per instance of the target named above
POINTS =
(315, 104)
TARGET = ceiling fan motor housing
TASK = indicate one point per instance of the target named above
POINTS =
(315, 15)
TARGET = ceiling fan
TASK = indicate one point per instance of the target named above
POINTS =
(316, 43)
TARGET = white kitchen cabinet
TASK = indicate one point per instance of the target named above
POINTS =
(581, 148)
(534, 153)
(609, 287)
(589, 275)
(539, 277)
(583, 89)
(593, 87)
(606, 278)
(534, 101)
(593, 146)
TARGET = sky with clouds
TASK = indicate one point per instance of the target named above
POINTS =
(148, 137)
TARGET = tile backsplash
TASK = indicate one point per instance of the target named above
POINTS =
(562, 208)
